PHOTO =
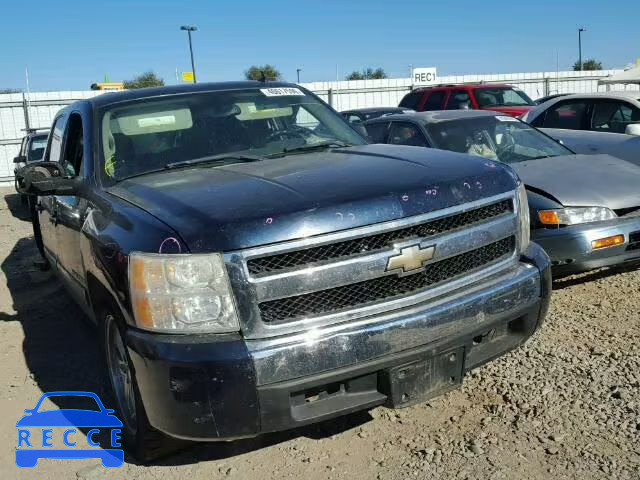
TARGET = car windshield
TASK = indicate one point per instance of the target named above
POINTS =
(502, 97)
(239, 125)
(36, 149)
(497, 137)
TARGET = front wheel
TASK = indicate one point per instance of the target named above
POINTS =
(138, 436)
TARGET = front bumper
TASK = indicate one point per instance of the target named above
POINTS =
(570, 247)
(221, 387)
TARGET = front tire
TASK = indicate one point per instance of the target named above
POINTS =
(142, 440)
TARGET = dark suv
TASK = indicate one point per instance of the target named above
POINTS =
(252, 264)
(500, 98)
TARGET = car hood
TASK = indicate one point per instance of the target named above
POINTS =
(626, 147)
(584, 180)
(513, 111)
(248, 204)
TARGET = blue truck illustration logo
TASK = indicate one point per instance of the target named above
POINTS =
(35, 434)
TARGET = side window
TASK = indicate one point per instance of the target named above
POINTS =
(377, 132)
(435, 101)
(612, 116)
(569, 115)
(459, 100)
(412, 100)
(354, 119)
(55, 141)
(402, 133)
(73, 147)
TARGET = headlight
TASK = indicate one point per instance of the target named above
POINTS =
(523, 215)
(574, 215)
(181, 293)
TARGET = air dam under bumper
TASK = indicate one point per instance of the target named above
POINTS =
(570, 247)
(221, 387)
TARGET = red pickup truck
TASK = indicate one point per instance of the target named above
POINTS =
(500, 98)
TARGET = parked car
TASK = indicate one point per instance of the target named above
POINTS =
(481, 96)
(588, 142)
(254, 265)
(584, 209)
(31, 150)
(611, 112)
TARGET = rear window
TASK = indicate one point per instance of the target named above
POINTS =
(502, 97)
(411, 100)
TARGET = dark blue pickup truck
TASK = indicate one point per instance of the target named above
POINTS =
(253, 265)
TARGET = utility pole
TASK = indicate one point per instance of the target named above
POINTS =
(580, 30)
(189, 29)
(298, 70)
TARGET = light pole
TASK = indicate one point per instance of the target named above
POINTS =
(580, 30)
(298, 70)
(190, 29)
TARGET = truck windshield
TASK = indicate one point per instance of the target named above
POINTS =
(149, 134)
(497, 137)
(502, 97)
(36, 148)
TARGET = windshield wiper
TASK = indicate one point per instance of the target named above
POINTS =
(313, 146)
(224, 157)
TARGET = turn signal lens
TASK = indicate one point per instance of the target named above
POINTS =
(549, 217)
(607, 242)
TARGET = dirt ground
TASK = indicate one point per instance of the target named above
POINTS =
(565, 406)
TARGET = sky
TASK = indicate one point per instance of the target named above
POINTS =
(70, 44)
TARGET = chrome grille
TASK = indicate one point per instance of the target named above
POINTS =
(383, 288)
(366, 245)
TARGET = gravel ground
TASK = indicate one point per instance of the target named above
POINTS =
(566, 405)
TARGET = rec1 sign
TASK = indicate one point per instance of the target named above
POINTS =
(424, 76)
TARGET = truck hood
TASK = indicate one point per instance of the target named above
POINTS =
(513, 111)
(236, 206)
(584, 180)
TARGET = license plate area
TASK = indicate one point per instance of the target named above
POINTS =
(423, 379)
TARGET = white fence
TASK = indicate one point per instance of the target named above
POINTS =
(19, 111)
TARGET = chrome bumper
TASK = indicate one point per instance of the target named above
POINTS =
(570, 247)
(501, 298)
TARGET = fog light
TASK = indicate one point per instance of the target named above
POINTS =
(607, 242)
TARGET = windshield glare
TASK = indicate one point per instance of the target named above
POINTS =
(497, 137)
(145, 136)
(501, 97)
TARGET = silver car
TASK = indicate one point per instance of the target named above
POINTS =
(584, 209)
(609, 112)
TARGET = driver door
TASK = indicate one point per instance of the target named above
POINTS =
(46, 206)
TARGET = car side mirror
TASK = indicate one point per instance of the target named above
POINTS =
(53, 186)
(46, 178)
(633, 129)
(20, 159)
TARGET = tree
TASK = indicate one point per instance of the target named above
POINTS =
(145, 80)
(256, 72)
(10, 90)
(367, 74)
(590, 64)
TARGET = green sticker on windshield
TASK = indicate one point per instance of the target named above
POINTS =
(110, 166)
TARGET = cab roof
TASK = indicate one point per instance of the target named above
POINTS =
(436, 116)
(136, 94)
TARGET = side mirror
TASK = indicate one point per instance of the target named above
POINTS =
(45, 178)
(20, 159)
(633, 129)
(52, 186)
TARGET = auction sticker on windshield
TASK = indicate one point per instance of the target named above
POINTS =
(505, 118)
(282, 92)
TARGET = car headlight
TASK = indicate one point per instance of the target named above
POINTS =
(523, 216)
(575, 215)
(181, 293)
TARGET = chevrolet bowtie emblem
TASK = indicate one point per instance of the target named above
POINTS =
(410, 258)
